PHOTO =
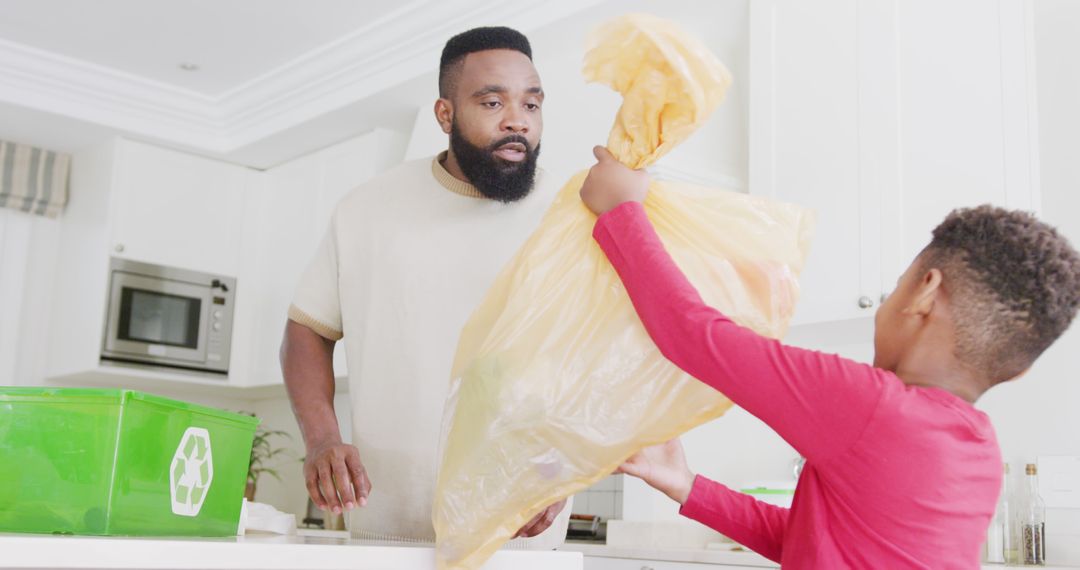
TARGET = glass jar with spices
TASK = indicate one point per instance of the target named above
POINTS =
(1031, 521)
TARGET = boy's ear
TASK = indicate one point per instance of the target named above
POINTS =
(926, 293)
(1020, 375)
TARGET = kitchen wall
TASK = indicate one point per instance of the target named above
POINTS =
(28, 246)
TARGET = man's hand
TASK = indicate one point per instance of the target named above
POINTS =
(542, 521)
(664, 468)
(611, 184)
(335, 477)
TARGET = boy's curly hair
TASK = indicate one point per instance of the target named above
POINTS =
(1013, 284)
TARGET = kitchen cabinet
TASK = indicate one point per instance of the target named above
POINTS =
(146, 204)
(873, 113)
(155, 205)
(177, 209)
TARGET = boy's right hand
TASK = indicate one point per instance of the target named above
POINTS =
(336, 479)
(610, 184)
(664, 468)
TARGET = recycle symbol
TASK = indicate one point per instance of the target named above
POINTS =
(191, 472)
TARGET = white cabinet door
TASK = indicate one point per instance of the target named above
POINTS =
(967, 129)
(285, 239)
(177, 209)
(884, 116)
(804, 140)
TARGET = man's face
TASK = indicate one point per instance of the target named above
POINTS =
(496, 122)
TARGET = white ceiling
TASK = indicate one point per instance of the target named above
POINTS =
(233, 41)
(275, 79)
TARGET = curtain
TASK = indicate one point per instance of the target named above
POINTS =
(33, 180)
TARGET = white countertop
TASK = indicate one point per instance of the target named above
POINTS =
(741, 558)
(699, 555)
(255, 552)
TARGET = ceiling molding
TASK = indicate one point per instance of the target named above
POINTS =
(400, 46)
(58, 84)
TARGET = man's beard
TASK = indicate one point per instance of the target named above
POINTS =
(492, 176)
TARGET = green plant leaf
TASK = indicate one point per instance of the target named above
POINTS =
(263, 451)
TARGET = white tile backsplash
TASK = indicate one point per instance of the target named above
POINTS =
(582, 504)
(605, 484)
(603, 499)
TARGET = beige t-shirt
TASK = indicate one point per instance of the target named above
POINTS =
(407, 258)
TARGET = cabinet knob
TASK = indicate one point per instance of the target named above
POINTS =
(119, 248)
(865, 302)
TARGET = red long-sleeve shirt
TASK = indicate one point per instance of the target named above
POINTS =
(896, 476)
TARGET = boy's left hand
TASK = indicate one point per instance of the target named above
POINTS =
(664, 468)
(610, 184)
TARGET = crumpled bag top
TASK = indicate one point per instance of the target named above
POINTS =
(669, 81)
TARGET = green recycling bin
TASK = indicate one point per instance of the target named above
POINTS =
(119, 462)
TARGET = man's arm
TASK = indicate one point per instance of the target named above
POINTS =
(335, 477)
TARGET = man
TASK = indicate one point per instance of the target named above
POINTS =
(406, 259)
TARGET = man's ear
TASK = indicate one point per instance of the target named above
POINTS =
(444, 114)
(926, 293)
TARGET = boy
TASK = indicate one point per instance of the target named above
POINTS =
(902, 471)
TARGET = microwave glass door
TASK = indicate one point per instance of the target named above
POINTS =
(157, 319)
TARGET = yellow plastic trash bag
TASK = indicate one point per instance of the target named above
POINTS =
(555, 380)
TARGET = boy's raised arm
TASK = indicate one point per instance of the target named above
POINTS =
(818, 403)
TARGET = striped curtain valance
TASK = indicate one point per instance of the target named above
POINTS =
(33, 180)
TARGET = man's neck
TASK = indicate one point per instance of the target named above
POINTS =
(451, 165)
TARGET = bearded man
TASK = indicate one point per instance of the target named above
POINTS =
(406, 259)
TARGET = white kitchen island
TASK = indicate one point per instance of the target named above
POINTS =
(255, 552)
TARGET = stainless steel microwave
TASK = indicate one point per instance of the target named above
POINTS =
(164, 316)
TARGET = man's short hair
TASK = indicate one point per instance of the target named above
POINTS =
(472, 41)
(1013, 284)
